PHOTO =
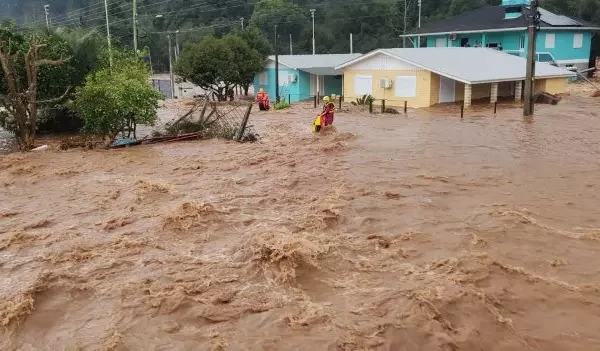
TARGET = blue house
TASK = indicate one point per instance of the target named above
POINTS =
(562, 41)
(303, 76)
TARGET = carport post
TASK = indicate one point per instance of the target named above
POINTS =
(494, 93)
(383, 106)
(518, 90)
(405, 106)
(468, 95)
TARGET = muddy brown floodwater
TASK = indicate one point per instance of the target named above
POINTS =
(418, 232)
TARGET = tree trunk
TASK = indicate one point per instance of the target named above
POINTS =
(23, 104)
(246, 88)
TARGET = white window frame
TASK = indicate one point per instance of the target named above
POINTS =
(363, 76)
(550, 41)
(406, 86)
(522, 43)
(578, 41)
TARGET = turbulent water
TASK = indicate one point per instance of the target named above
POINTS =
(418, 232)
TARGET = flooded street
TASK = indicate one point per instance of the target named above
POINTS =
(395, 232)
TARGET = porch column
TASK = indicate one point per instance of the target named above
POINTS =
(494, 93)
(483, 40)
(518, 90)
(468, 95)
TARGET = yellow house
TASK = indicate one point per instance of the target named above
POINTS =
(427, 76)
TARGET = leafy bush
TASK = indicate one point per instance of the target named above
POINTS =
(110, 97)
(282, 105)
(364, 100)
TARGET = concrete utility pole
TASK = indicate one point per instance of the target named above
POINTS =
(177, 52)
(135, 39)
(533, 27)
(419, 37)
(47, 11)
(108, 34)
(291, 46)
(351, 43)
(242, 20)
(171, 68)
(404, 31)
(312, 13)
(277, 97)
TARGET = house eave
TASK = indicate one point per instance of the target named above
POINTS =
(515, 29)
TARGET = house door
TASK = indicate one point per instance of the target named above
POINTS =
(447, 90)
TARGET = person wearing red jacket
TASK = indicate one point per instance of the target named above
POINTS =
(328, 112)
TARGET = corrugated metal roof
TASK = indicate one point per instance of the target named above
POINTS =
(469, 65)
(557, 20)
(323, 65)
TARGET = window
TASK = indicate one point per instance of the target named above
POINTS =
(406, 86)
(550, 40)
(263, 78)
(440, 42)
(522, 42)
(577, 41)
(363, 85)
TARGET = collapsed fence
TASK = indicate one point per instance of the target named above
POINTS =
(205, 119)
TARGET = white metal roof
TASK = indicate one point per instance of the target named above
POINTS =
(468, 65)
(557, 20)
(324, 65)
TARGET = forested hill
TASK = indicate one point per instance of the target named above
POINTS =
(374, 23)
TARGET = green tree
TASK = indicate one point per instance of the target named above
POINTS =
(217, 65)
(252, 61)
(111, 98)
(32, 65)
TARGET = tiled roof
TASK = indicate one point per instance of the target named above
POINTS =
(492, 17)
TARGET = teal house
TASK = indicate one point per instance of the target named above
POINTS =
(561, 41)
(303, 76)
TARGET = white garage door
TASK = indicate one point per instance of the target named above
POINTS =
(363, 85)
(406, 86)
(440, 42)
(447, 90)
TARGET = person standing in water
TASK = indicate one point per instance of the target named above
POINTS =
(328, 111)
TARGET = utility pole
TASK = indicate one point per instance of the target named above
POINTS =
(291, 46)
(171, 67)
(242, 20)
(404, 31)
(177, 52)
(135, 39)
(277, 97)
(47, 11)
(312, 13)
(533, 27)
(419, 24)
(351, 43)
(108, 34)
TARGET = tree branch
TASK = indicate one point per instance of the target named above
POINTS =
(55, 99)
(51, 62)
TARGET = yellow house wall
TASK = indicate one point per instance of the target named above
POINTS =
(556, 85)
(424, 87)
(540, 85)
(435, 89)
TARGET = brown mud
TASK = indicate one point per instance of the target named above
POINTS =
(399, 232)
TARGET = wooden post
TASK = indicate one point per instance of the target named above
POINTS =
(290, 99)
(370, 105)
(240, 134)
(383, 106)
(462, 111)
(315, 100)
(495, 107)
(405, 107)
(341, 98)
